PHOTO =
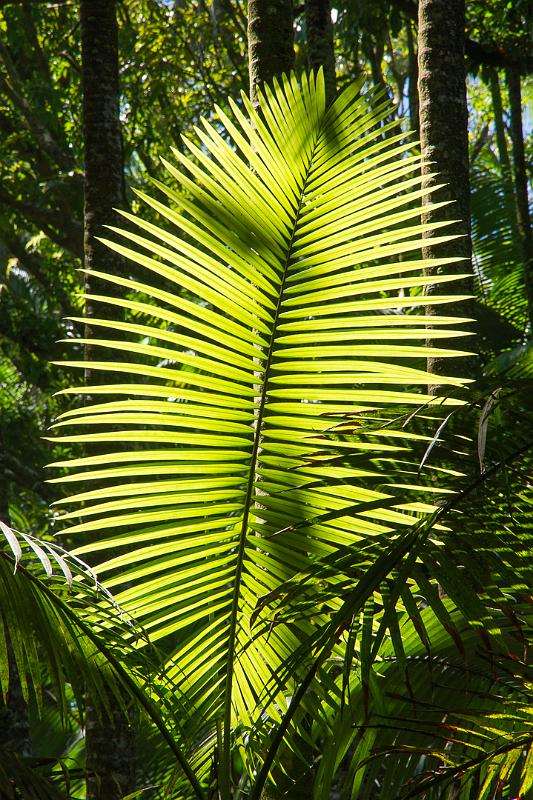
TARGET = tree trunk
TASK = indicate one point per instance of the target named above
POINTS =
(320, 45)
(520, 182)
(505, 162)
(102, 142)
(503, 152)
(374, 50)
(109, 740)
(444, 145)
(109, 760)
(413, 80)
(270, 41)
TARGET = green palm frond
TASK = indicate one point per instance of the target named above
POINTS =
(27, 777)
(431, 722)
(38, 627)
(69, 636)
(497, 258)
(458, 605)
(517, 362)
(281, 302)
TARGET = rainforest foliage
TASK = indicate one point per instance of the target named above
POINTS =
(265, 438)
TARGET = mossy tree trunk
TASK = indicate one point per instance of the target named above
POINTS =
(102, 143)
(320, 44)
(270, 41)
(443, 118)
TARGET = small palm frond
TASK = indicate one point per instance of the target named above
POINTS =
(28, 777)
(70, 634)
(458, 604)
(517, 362)
(497, 257)
(435, 719)
(39, 627)
(282, 300)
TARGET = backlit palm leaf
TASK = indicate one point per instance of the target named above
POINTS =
(278, 306)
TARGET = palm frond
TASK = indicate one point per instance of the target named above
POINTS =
(459, 604)
(497, 257)
(284, 301)
(38, 627)
(70, 633)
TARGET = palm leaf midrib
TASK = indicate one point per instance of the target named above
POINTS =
(256, 448)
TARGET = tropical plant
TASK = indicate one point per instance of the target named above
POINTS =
(275, 440)
(496, 248)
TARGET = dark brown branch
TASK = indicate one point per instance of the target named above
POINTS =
(497, 57)
(48, 3)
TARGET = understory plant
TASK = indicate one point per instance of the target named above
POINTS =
(275, 498)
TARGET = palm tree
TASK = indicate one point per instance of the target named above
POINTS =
(282, 507)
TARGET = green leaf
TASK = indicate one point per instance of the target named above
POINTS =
(283, 301)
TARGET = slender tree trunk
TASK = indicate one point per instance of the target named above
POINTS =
(375, 51)
(109, 740)
(320, 44)
(444, 146)
(102, 141)
(501, 142)
(520, 182)
(270, 41)
(413, 80)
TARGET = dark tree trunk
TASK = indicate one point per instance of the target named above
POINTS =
(374, 51)
(270, 41)
(109, 740)
(109, 761)
(444, 145)
(505, 161)
(320, 45)
(520, 182)
(102, 141)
